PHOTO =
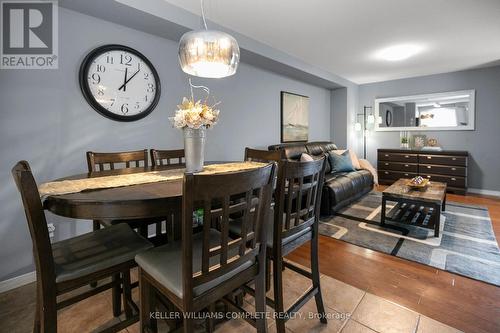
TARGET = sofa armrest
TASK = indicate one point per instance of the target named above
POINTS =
(366, 165)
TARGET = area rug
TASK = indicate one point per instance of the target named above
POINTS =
(466, 244)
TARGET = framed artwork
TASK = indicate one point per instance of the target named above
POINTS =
(294, 117)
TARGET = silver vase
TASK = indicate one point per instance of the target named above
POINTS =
(194, 149)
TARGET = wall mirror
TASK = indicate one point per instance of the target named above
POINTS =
(450, 111)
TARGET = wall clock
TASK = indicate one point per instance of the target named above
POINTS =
(119, 82)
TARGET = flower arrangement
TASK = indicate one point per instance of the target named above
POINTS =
(195, 115)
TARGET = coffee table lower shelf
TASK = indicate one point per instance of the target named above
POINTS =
(412, 212)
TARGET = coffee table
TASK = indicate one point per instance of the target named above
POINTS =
(421, 208)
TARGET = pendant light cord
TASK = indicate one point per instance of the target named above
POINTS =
(205, 89)
(203, 15)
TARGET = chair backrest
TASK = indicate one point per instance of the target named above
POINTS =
(117, 160)
(298, 197)
(37, 224)
(167, 157)
(265, 156)
(247, 193)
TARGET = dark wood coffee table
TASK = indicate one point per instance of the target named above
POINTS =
(421, 208)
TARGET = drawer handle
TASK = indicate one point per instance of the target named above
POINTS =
(386, 155)
(454, 169)
(454, 159)
(429, 157)
(429, 177)
(406, 174)
(429, 167)
(406, 156)
(386, 173)
(453, 179)
(386, 163)
(406, 165)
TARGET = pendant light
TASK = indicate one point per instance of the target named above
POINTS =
(208, 53)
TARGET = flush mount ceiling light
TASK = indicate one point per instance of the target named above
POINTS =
(398, 52)
(208, 53)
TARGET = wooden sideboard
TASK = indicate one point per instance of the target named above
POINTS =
(449, 167)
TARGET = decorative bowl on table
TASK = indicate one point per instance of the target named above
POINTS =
(417, 183)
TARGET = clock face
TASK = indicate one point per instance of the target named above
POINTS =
(119, 82)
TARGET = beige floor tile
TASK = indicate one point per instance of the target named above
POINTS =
(235, 325)
(307, 320)
(294, 286)
(383, 316)
(340, 296)
(353, 326)
(428, 325)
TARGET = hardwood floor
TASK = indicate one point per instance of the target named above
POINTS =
(469, 305)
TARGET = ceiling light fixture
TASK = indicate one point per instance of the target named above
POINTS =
(398, 52)
(208, 53)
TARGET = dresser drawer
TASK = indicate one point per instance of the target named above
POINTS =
(397, 157)
(442, 159)
(394, 175)
(442, 170)
(450, 180)
(397, 166)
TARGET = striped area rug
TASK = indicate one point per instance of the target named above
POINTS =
(466, 245)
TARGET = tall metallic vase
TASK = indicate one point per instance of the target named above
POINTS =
(194, 149)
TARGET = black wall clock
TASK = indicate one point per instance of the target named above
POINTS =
(119, 82)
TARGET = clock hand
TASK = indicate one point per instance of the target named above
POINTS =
(124, 81)
(124, 85)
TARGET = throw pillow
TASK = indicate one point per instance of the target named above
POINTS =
(341, 163)
(354, 158)
(306, 158)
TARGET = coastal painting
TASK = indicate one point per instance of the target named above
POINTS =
(294, 117)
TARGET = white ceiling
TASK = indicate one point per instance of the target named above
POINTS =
(345, 37)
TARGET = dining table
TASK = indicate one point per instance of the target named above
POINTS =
(139, 201)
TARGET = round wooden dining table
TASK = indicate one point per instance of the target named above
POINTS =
(119, 203)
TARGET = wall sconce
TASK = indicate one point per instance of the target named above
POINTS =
(370, 119)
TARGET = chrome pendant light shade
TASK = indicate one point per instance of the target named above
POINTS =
(208, 53)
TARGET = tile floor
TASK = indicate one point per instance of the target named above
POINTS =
(348, 309)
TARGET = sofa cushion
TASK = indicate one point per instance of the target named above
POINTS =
(294, 152)
(306, 158)
(352, 154)
(343, 185)
(320, 147)
(340, 163)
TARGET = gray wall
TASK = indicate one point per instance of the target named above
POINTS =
(482, 144)
(45, 120)
(339, 117)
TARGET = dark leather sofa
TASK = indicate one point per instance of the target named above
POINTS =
(340, 189)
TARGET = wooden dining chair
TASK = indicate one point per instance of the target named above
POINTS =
(294, 222)
(209, 264)
(265, 156)
(110, 161)
(167, 157)
(73, 263)
(97, 162)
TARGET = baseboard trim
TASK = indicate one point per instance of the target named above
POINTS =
(17, 281)
(484, 192)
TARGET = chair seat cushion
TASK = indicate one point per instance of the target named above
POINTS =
(96, 251)
(164, 264)
(235, 229)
